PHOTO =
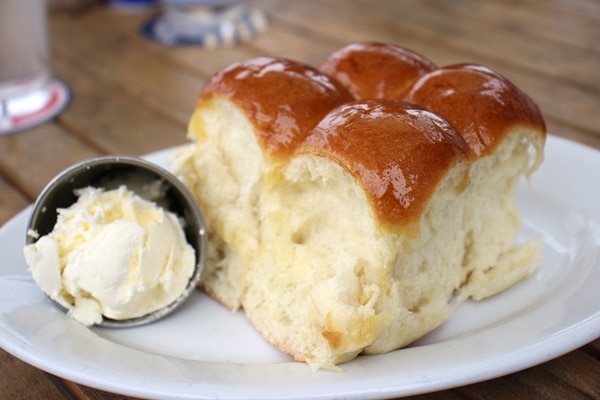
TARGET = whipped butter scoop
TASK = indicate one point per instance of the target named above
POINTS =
(116, 241)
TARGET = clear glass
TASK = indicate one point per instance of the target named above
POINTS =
(24, 58)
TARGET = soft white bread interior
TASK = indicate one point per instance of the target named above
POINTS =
(224, 171)
(362, 235)
(506, 135)
(493, 260)
(345, 227)
(341, 272)
(249, 117)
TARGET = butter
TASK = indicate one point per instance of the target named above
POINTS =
(112, 254)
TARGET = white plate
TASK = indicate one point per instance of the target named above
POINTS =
(205, 351)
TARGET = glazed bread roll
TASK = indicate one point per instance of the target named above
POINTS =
(346, 221)
(372, 70)
(506, 134)
(362, 235)
(376, 226)
(482, 105)
(249, 116)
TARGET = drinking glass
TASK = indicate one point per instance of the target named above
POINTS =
(27, 93)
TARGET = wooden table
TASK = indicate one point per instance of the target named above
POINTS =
(134, 96)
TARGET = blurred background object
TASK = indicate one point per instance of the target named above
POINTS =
(70, 5)
(132, 5)
(205, 23)
(28, 93)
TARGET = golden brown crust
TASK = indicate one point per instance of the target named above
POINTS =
(481, 105)
(283, 99)
(373, 70)
(398, 151)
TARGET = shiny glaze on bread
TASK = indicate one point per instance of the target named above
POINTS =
(398, 151)
(372, 70)
(283, 99)
(482, 105)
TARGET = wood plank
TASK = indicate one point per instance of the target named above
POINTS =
(32, 158)
(302, 42)
(576, 370)
(142, 76)
(199, 61)
(111, 120)
(527, 20)
(288, 37)
(19, 381)
(323, 27)
(479, 37)
(399, 27)
(81, 392)
(11, 201)
(592, 349)
(572, 376)
(569, 105)
(583, 9)
(165, 79)
(573, 133)
(453, 394)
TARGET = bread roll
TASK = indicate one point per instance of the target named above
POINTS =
(365, 233)
(506, 134)
(482, 105)
(372, 70)
(346, 227)
(361, 234)
(249, 116)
